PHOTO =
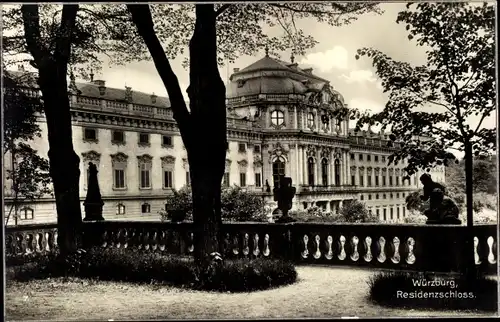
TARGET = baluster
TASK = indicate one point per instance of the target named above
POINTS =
(38, 239)
(305, 252)
(342, 255)
(246, 249)
(55, 244)
(154, 240)
(256, 250)
(227, 244)
(396, 257)
(477, 260)
(381, 257)
(191, 243)
(266, 251)
(46, 236)
(354, 242)
(162, 240)
(491, 255)
(125, 238)
(118, 236)
(236, 245)
(410, 259)
(368, 244)
(317, 253)
(145, 240)
(29, 243)
(329, 253)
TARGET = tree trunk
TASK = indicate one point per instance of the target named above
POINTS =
(470, 266)
(206, 144)
(64, 162)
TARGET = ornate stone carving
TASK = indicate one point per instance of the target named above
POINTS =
(185, 163)
(257, 161)
(326, 152)
(391, 171)
(338, 153)
(384, 171)
(353, 168)
(361, 168)
(119, 157)
(228, 163)
(311, 151)
(91, 156)
(242, 163)
(145, 158)
(397, 172)
(168, 159)
(376, 170)
(369, 170)
(278, 150)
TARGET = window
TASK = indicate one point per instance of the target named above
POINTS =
(368, 157)
(392, 213)
(404, 195)
(369, 179)
(397, 181)
(376, 158)
(225, 179)
(397, 213)
(143, 138)
(310, 120)
(377, 196)
(277, 117)
(258, 180)
(278, 170)
(188, 179)
(361, 180)
(397, 195)
(384, 179)
(120, 209)
(119, 178)
(369, 197)
(390, 195)
(256, 149)
(145, 175)
(145, 208)
(167, 179)
(118, 137)
(377, 181)
(337, 172)
(26, 213)
(243, 179)
(385, 214)
(241, 147)
(324, 172)
(360, 157)
(90, 134)
(383, 158)
(377, 211)
(352, 156)
(362, 197)
(390, 181)
(384, 196)
(310, 171)
(404, 212)
(353, 180)
(166, 140)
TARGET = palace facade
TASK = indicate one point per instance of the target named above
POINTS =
(280, 122)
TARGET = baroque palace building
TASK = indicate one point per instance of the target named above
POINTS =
(279, 121)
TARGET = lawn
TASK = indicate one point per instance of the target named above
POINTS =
(321, 292)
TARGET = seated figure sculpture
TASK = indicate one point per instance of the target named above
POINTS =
(429, 186)
(442, 210)
(284, 195)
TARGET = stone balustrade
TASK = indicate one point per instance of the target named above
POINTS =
(409, 246)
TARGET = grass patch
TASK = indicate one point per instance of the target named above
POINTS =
(419, 290)
(124, 265)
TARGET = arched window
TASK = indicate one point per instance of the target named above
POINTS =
(310, 171)
(337, 172)
(120, 209)
(310, 119)
(277, 117)
(145, 208)
(278, 170)
(324, 172)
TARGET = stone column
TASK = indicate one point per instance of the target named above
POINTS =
(348, 167)
(297, 165)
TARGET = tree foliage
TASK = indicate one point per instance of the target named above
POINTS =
(356, 212)
(439, 99)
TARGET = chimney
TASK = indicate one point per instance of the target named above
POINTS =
(235, 70)
(153, 98)
(128, 93)
(102, 86)
(20, 68)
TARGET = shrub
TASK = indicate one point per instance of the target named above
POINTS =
(479, 294)
(236, 205)
(239, 275)
(356, 212)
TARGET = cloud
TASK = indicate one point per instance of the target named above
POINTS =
(359, 76)
(364, 104)
(337, 57)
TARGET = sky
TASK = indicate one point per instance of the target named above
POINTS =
(333, 58)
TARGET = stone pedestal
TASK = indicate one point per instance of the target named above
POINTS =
(93, 202)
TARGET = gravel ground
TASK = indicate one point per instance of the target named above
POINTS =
(320, 292)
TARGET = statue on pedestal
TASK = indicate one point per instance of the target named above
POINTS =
(442, 210)
(284, 195)
(93, 202)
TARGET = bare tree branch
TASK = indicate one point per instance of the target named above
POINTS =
(31, 19)
(222, 8)
(66, 30)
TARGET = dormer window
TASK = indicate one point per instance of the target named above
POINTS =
(310, 120)
(277, 118)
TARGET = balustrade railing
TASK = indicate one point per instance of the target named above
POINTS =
(409, 246)
(326, 189)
